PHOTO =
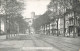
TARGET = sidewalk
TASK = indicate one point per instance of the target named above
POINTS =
(10, 45)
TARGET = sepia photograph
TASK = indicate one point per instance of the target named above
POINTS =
(39, 25)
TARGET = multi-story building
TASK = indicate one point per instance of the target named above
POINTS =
(68, 23)
(53, 27)
(72, 24)
(71, 19)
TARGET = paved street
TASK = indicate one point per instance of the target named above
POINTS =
(40, 43)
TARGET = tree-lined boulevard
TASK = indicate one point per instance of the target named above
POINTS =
(57, 29)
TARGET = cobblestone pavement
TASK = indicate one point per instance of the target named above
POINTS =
(40, 43)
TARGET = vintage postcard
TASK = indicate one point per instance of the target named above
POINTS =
(39, 25)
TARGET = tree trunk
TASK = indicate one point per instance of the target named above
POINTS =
(0, 25)
(49, 28)
(57, 28)
(74, 26)
(64, 25)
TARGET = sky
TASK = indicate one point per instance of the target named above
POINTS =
(37, 6)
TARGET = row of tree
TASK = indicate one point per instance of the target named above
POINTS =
(41, 20)
(56, 9)
(13, 15)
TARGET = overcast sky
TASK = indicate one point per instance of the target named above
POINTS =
(37, 6)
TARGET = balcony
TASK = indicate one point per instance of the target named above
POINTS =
(71, 24)
(74, 25)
